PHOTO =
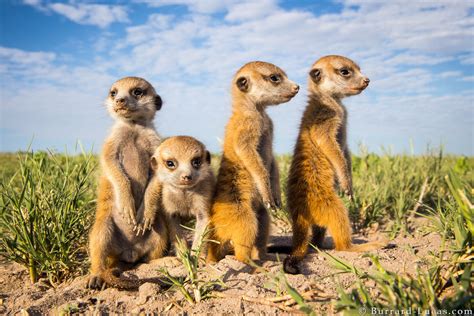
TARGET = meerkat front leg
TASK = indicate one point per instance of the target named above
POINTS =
(275, 182)
(176, 233)
(253, 163)
(120, 182)
(202, 221)
(347, 156)
(151, 203)
(332, 150)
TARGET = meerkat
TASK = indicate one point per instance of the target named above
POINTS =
(248, 180)
(321, 157)
(182, 187)
(125, 172)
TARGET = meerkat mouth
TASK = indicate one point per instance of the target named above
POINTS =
(359, 89)
(185, 185)
(289, 96)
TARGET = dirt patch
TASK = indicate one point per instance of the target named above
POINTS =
(243, 283)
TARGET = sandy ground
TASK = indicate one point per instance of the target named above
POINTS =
(243, 284)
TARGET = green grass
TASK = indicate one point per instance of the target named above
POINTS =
(47, 203)
(388, 189)
(192, 286)
(445, 286)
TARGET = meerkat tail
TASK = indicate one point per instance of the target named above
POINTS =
(372, 245)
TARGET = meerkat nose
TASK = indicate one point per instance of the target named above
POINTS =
(186, 177)
(296, 88)
(120, 101)
(366, 80)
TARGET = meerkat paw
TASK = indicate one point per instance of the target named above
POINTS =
(128, 213)
(144, 225)
(270, 205)
(277, 200)
(95, 282)
(290, 265)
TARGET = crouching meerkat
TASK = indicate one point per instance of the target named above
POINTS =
(321, 156)
(125, 161)
(248, 179)
(182, 187)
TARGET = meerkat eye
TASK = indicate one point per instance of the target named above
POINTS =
(170, 164)
(345, 72)
(113, 93)
(275, 78)
(196, 162)
(138, 92)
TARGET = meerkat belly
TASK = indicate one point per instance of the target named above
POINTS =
(234, 182)
(311, 166)
(132, 247)
(135, 160)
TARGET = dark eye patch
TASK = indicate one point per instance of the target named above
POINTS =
(170, 164)
(113, 93)
(196, 162)
(138, 92)
(345, 72)
(273, 78)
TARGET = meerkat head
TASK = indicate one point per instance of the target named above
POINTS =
(264, 84)
(337, 76)
(181, 161)
(133, 99)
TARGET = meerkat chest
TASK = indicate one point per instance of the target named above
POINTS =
(177, 201)
(134, 155)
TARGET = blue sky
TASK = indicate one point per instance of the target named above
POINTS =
(58, 59)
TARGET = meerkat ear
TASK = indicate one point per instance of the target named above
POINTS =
(315, 75)
(158, 102)
(154, 163)
(208, 157)
(243, 84)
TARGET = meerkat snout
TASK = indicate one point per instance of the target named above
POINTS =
(186, 178)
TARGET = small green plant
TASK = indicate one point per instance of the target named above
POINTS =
(426, 290)
(455, 223)
(44, 213)
(192, 286)
(395, 292)
(278, 282)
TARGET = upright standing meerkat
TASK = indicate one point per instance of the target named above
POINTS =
(248, 180)
(125, 161)
(182, 187)
(321, 155)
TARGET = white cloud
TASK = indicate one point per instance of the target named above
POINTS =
(17, 56)
(450, 74)
(197, 6)
(100, 15)
(191, 58)
(251, 10)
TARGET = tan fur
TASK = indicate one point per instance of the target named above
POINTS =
(125, 173)
(321, 157)
(182, 186)
(248, 181)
